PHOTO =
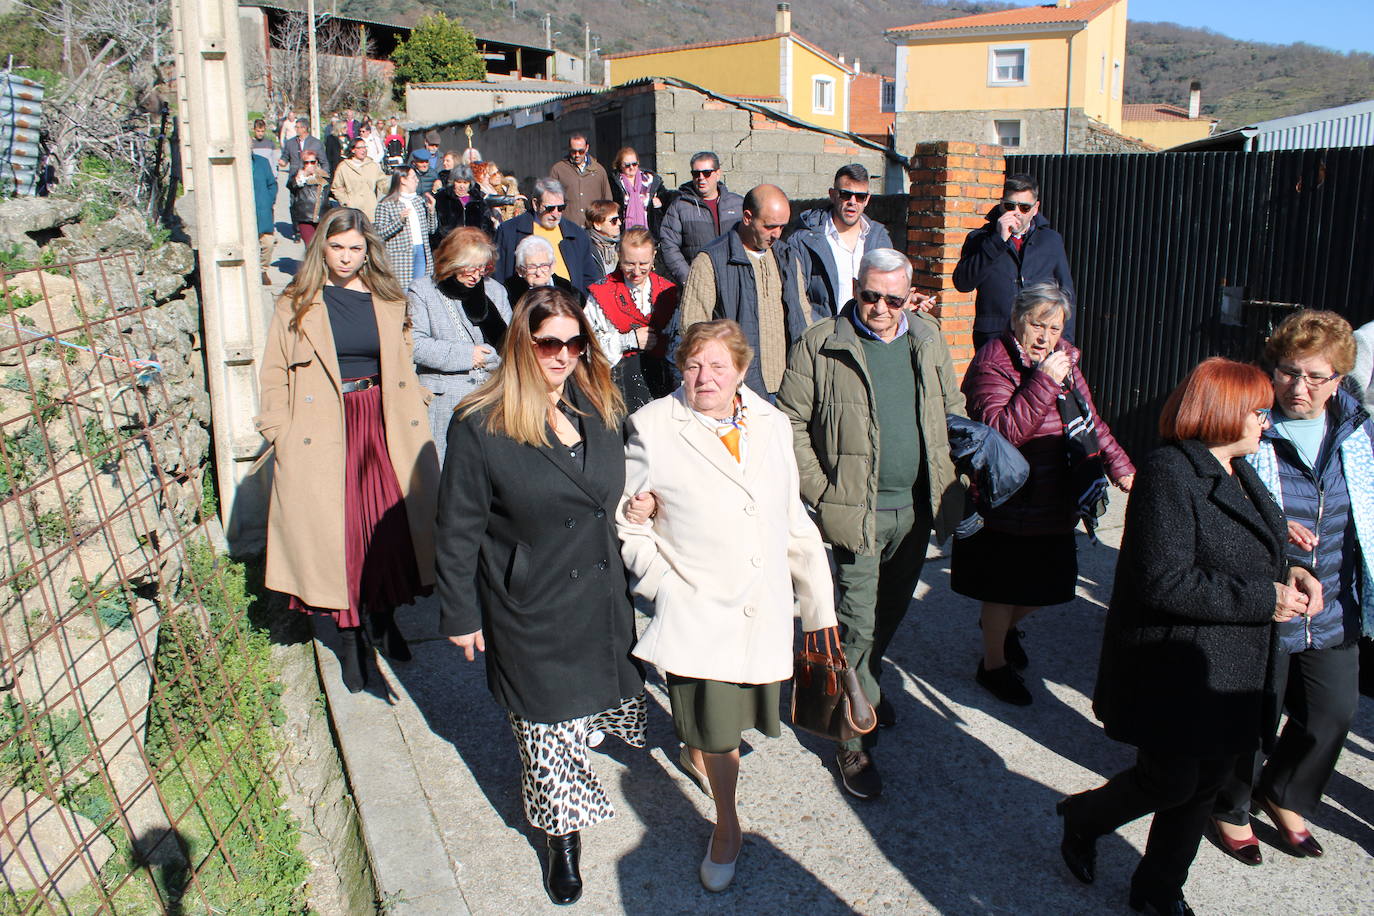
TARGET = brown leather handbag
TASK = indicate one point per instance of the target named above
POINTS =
(826, 697)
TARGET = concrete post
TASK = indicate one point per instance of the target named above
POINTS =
(218, 172)
(953, 185)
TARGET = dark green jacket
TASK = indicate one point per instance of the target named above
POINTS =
(827, 394)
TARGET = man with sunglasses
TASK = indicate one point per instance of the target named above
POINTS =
(703, 210)
(831, 241)
(584, 180)
(1017, 248)
(573, 257)
(867, 392)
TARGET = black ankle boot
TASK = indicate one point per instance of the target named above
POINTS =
(563, 880)
(1078, 849)
(354, 668)
(386, 636)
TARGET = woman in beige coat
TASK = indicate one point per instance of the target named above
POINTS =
(358, 181)
(728, 549)
(350, 529)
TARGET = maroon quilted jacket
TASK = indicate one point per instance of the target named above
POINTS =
(1018, 401)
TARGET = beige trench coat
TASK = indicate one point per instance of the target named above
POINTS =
(302, 419)
(359, 186)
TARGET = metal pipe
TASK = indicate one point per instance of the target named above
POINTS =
(1068, 90)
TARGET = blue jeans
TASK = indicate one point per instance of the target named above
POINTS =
(418, 263)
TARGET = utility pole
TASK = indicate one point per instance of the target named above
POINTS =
(548, 31)
(213, 116)
(586, 53)
(314, 71)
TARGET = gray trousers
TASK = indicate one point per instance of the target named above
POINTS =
(874, 594)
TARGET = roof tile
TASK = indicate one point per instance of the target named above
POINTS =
(1079, 11)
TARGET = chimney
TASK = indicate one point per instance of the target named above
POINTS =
(856, 65)
(840, 58)
(782, 22)
(1194, 100)
(1063, 4)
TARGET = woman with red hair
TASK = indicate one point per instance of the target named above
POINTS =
(1186, 674)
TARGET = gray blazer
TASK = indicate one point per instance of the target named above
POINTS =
(444, 342)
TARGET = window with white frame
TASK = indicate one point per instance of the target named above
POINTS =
(1007, 66)
(822, 95)
(1006, 133)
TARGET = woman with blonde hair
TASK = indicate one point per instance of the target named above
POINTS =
(350, 525)
(460, 316)
(530, 568)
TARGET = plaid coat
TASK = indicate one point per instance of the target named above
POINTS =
(394, 228)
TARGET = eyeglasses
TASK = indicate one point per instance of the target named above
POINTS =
(1021, 205)
(871, 297)
(703, 173)
(860, 196)
(536, 268)
(553, 208)
(463, 271)
(552, 346)
(1312, 381)
(577, 152)
(1263, 414)
(628, 165)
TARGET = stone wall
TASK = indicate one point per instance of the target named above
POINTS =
(1042, 130)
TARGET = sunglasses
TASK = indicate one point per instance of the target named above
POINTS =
(860, 196)
(1010, 205)
(870, 297)
(552, 346)
(554, 208)
(629, 165)
(615, 221)
(703, 173)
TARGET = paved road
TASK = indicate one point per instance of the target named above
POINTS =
(965, 826)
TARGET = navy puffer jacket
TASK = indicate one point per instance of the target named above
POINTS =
(1320, 501)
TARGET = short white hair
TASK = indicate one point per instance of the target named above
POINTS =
(884, 261)
(531, 246)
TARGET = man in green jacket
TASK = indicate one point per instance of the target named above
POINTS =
(867, 393)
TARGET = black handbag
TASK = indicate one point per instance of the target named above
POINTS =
(827, 699)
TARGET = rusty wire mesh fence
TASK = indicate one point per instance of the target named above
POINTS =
(136, 696)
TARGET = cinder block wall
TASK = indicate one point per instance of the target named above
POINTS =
(953, 184)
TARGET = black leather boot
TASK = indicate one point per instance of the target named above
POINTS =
(351, 661)
(563, 879)
(387, 637)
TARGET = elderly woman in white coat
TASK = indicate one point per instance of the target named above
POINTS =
(729, 547)
(460, 317)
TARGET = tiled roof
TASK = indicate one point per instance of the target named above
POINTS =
(1154, 112)
(729, 41)
(1079, 11)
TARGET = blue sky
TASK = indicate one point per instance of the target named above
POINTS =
(1345, 25)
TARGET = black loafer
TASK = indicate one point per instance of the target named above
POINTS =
(1078, 849)
(563, 879)
(1005, 684)
(1153, 903)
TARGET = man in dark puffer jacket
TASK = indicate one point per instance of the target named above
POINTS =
(703, 211)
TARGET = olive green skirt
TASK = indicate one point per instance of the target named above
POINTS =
(712, 715)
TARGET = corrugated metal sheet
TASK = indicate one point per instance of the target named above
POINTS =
(1180, 256)
(1349, 125)
(21, 120)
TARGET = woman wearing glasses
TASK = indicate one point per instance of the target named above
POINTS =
(534, 267)
(310, 190)
(460, 317)
(530, 567)
(1186, 674)
(1317, 461)
(604, 224)
(1027, 386)
(637, 192)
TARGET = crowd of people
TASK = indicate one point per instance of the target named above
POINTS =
(614, 393)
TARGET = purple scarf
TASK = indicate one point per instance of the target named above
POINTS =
(636, 201)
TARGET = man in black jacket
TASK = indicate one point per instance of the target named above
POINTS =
(1016, 248)
(573, 258)
(704, 210)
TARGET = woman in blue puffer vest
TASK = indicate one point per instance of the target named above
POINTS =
(1317, 460)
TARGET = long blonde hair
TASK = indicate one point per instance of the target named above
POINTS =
(516, 399)
(375, 272)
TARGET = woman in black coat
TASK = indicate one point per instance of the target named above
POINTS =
(529, 564)
(1189, 649)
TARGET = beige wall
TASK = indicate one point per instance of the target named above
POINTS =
(1165, 134)
(751, 68)
(806, 66)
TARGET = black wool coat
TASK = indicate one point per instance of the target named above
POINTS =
(526, 551)
(1190, 649)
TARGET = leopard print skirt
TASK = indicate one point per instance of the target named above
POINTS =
(558, 786)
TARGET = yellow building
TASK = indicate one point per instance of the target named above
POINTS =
(782, 69)
(1024, 78)
(1165, 126)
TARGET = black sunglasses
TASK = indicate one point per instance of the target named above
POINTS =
(1024, 207)
(860, 196)
(552, 346)
(629, 165)
(870, 297)
(554, 208)
(703, 173)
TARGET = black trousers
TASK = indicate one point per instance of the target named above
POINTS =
(1179, 790)
(1320, 690)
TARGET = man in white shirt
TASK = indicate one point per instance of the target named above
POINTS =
(831, 241)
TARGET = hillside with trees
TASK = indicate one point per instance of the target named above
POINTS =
(1242, 81)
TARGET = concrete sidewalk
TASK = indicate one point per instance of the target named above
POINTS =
(966, 824)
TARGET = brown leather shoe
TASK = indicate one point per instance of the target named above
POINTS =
(859, 774)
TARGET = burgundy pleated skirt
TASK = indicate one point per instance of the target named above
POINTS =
(378, 554)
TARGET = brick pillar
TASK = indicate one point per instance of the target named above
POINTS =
(953, 184)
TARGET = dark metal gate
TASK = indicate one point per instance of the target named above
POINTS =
(1180, 256)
